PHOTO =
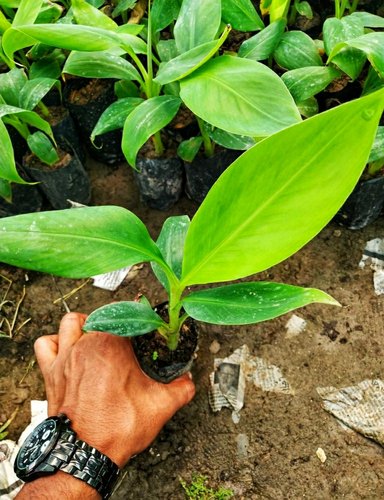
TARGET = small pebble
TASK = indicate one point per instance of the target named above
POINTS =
(215, 347)
(337, 233)
(320, 453)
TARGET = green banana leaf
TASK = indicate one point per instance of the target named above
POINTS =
(249, 222)
(248, 303)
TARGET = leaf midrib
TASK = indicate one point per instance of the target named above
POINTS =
(81, 237)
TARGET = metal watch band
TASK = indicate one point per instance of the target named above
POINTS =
(80, 460)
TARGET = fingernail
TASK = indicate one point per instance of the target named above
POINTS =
(190, 375)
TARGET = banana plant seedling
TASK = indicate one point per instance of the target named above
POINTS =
(235, 95)
(269, 203)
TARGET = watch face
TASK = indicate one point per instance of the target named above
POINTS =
(37, 445)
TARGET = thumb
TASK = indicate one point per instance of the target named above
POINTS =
(181, 391)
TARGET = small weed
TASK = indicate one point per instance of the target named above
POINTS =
(198, 490)
(3, 427)
(155, 355)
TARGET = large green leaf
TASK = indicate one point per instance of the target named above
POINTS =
(297, 50)
(198, 23)
(76, 243)
(368, 20)
(371, 44)
(263, 44)
(29, 117)
(377, 151)
(13, 40)
(8, 170)
(86, 14)
(247, 303)
(5, 190)
(186, 63)
(283, 191)
(100, 65)
(163, 13)
(115, 115)
(49, 13)
(229, 141)
(127, 319)
(336, 31)
(307, 82)
(240, 96)
(11, 84)
(372, 82)
(27, 12)
(277, 9)
(171, 244)
(42, 147)
(34, 91)
(65, 36)
(148, 118)
(241, 15)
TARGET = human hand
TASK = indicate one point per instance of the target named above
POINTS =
(96, 381)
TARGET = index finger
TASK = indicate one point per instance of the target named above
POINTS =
(70, 331)
(46, 349)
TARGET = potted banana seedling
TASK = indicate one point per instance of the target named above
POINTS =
(55, 166)
(250, 220)
(235, 95)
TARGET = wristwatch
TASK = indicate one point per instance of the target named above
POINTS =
(53, 446)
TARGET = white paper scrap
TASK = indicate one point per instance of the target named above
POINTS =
(227, 382)
(295, 325)
(111, 281)
(374, 252)
(267, 377)
(10, 484)
(360, 407)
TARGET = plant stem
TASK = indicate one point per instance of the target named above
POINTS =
(337, 9)
(354, 6)
(209, 147)
(43, 108)
(151, 91)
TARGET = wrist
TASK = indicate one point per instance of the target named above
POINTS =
(105, 438)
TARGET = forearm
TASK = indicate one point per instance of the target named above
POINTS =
(59, 485)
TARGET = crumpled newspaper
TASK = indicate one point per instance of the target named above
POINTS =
(231, 373)
(359, 407)
(374, 252)
(10, 484)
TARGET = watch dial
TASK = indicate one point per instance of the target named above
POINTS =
(37, 444)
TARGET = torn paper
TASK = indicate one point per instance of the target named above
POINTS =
(111, 281)
(295, 325)
(360, 407)
(228, 380)
(374, 253)
(267, 377)
(10, 484)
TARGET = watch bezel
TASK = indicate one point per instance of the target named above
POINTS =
(30, 471)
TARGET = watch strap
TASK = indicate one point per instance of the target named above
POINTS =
(84, 462)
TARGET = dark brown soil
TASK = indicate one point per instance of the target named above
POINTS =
(271, 452)
(32, 161)
(160, 362)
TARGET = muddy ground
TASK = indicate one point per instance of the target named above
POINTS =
(340, 347)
